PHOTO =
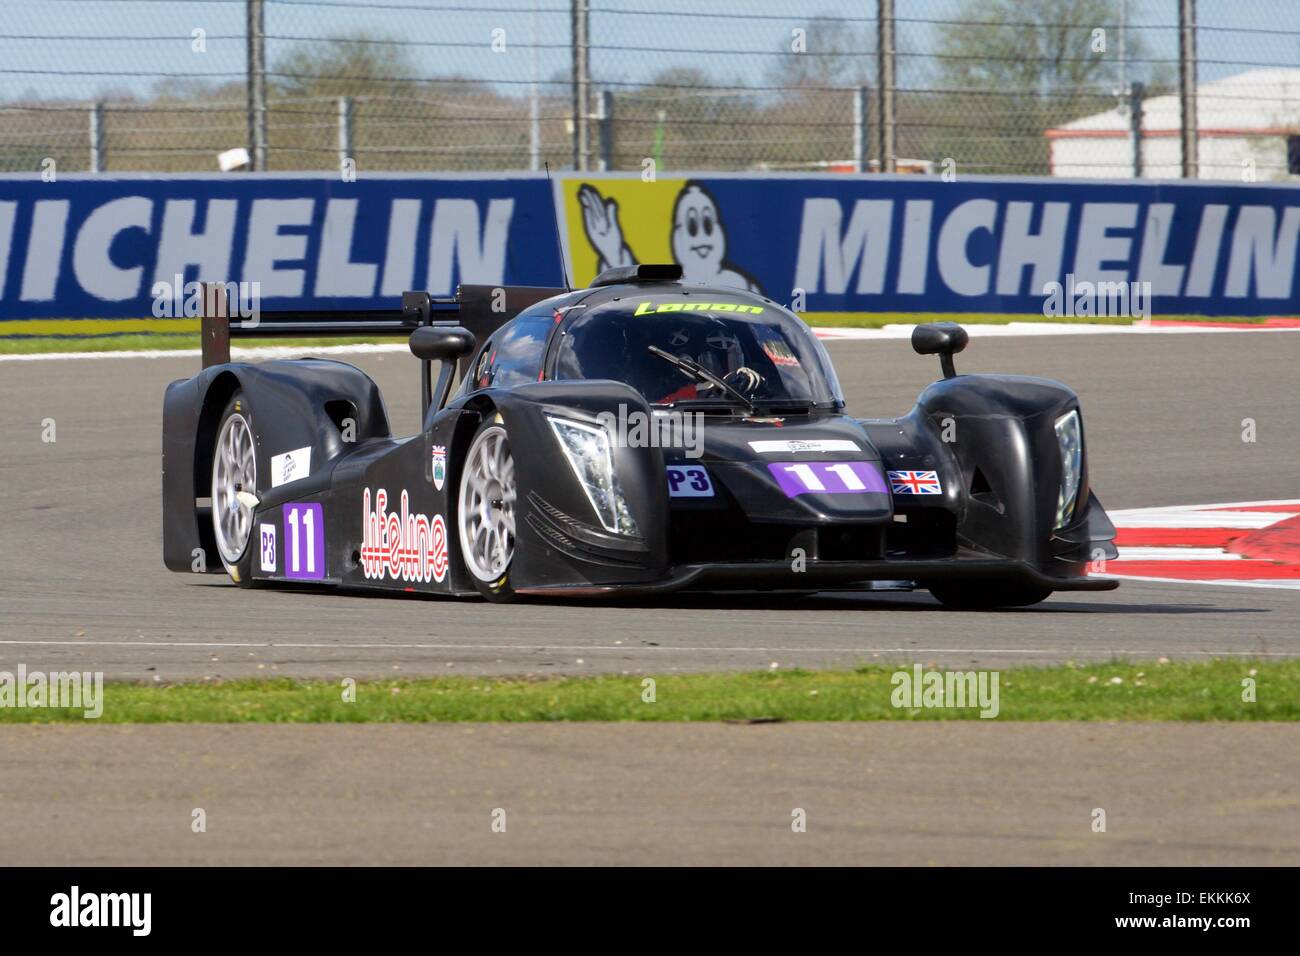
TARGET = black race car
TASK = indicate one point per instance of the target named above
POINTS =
(639, 436)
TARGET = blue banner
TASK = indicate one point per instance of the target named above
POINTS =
(844, 244)
(103, 247)
(114, 247)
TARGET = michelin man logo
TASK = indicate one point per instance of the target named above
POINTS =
(699, 241)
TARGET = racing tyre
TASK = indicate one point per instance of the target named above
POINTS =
(234, 470)
(987, 595)
(485, 512)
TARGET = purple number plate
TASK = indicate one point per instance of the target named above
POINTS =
(304, 542)
(827, 477)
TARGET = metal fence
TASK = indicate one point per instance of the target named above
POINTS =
(1093, 88)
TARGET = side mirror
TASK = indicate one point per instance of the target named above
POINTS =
(944, 338)
(441, 343)
(444, 344)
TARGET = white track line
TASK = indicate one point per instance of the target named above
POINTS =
(1199, 518)
(266, 352)
(588, 648)
(978, 330)
(1144, 553)
(1283, 585)
(1215, 505)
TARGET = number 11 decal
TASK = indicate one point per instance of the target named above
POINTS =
(304, 542)
(830, 478)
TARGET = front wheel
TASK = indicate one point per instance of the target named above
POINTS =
(987, 595)
(486, 512)
(234, 471)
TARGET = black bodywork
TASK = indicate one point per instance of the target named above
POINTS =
(993, 520)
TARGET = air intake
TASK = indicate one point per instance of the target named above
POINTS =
(669, 272)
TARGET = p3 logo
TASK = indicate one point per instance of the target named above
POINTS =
(689, 481)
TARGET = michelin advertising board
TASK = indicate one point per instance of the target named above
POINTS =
(846, 244)
(105, 247)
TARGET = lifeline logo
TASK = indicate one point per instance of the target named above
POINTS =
(103, 909)
(916, 689)
(62, 690)
(405, 547)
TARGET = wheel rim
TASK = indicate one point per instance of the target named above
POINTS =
(233, 470)
(487, 506)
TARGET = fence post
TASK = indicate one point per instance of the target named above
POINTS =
(256, 85)
(860, 138)
(97, 137)
(345, 130)
(534, 99)
(1187, 86)
(1136, 94)
(885, 82)
(606, 115)
(580, 12)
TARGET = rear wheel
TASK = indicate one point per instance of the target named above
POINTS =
(234, 470)
(486, 512)
(986, 595)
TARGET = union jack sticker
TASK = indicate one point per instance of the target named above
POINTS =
(914, 483)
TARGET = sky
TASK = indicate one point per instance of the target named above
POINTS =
(83, 49)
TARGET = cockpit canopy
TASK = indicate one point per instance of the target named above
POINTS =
(757, 347)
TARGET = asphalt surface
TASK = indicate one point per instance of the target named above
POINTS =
(82, 584)
(82, 587)
(649, 794)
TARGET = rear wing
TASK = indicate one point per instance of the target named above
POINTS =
(482, 309)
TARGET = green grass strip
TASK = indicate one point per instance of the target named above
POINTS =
(1200, 691)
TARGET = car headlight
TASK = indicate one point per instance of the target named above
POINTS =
(1069, 436)
(588, 449)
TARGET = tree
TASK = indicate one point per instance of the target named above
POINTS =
(1011, 69)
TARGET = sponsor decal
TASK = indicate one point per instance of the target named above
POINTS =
(401, 545)
(649, 307)
(290, 466)
(267, 534)
(797, 445)
(304, 542)
(915, 483)
(826, 477)
(439, 466)
(689, 481)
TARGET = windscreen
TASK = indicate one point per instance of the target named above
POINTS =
(765, 354)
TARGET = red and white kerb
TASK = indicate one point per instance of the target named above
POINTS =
(1247, 543)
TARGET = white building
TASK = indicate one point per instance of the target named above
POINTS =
(1248, 124)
